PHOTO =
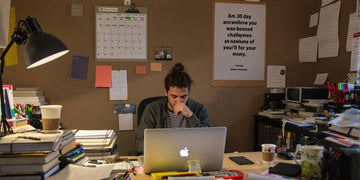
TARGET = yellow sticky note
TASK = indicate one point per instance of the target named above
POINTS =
(11, 56)
(156, 67)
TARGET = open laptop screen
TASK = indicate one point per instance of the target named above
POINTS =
(169, 149)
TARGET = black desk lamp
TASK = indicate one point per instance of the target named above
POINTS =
(40, 48)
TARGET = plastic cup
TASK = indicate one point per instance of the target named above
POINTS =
(50, 116)
(268, 153)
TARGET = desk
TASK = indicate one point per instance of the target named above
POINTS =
(267, 130)
(228, 164)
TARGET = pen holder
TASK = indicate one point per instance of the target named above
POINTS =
(50, 116)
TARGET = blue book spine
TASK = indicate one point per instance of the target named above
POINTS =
(7, 105)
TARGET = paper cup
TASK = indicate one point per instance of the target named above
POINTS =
(268, 153)
(50, 116)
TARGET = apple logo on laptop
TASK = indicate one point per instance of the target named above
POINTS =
(184, 152)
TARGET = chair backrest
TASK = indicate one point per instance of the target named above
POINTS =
(143, 104)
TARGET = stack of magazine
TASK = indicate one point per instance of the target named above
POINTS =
(29, 155)
(97, 143)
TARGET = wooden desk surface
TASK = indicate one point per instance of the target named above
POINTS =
(258, 167)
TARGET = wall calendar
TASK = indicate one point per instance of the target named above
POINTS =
(121, 36)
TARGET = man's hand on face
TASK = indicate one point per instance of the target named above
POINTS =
(183, 109)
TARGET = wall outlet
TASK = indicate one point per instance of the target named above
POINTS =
(127, 2)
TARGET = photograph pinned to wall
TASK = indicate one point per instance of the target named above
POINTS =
(163, 53)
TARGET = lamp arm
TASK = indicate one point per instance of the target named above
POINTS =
(4, 53)
(5, 125)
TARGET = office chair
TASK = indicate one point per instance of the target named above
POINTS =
(141, 107)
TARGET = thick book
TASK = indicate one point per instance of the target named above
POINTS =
(29, 142)
(95, 141)
(9, 89)
(30, 93)
(68, 147)
(7, 104)
(29, 158)
(67, 141)
(101, 147)
(30, 99)
(76, 157)
(68, 133)
(77, 150)
(97, 134)
(31, 176)
(28, 168)
(27, 89)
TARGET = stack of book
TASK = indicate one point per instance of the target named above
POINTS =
(97, 143)
(29, 155)
(71, 152)
(68, 141)
(29, 95)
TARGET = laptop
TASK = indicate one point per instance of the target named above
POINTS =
(169, 149)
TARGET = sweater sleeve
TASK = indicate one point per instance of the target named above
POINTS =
(200, 118)
(147, 121)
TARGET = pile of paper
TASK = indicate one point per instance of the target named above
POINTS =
(97, 143)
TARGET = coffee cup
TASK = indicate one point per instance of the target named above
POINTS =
(268, 153)
(50, 116)
(311, 156)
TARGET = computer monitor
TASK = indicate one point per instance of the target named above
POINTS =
(170, 149)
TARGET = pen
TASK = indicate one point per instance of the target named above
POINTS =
(29, 137)
(132, 168)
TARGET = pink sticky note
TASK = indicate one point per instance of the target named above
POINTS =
(140, 69)
(103, 76)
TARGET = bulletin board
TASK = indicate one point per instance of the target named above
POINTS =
(120, 36)
(239, 43)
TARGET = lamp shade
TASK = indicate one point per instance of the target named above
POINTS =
(42, 48)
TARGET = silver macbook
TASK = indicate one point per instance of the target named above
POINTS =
(169, 149)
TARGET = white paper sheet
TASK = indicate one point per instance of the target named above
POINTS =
(4, 22)
(118, 90)
(126, 122)
(314, 19)
(75, 172)
(354, 26)
(326, 2)
(355, 55)
(308, 49)
(327, 32)
(276, 76)
(320, 78)
(350, 118)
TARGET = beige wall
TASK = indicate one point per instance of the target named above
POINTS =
(186, 26)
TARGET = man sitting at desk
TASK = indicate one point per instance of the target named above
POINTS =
(175, 110)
